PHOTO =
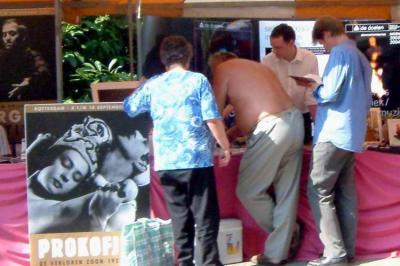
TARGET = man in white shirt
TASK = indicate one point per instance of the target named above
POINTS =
(288, 60)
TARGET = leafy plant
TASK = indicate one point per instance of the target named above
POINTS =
(94, 51)
(98, 72)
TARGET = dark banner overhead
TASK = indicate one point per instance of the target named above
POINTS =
(88, 176)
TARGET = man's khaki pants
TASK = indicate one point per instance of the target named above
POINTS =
(273, 159)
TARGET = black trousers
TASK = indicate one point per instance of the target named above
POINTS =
(192, 199)
(307, 128)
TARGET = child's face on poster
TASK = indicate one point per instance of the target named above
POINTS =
(66, 172)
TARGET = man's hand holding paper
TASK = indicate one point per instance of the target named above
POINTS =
(308, 80)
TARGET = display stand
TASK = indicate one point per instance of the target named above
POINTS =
(114, 91)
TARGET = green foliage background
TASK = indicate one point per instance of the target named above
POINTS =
(94, 51)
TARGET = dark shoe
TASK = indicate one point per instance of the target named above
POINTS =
(328, 262)
(262, 261)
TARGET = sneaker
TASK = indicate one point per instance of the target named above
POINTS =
(323, 261)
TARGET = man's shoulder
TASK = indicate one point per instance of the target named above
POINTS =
(306, 54)
(271, 57)
(345, 52)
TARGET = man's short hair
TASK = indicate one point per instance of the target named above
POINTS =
(175, 50)
(285, 31)
(327, 24)
(221, 57)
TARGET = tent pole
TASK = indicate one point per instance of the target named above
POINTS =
(139, 57)
(58, 38)
(130, 37)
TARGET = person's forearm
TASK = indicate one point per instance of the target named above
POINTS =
(217, 129)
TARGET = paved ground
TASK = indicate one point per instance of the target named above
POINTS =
(383, 262)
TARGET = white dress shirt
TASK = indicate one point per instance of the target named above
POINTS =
(304, 63)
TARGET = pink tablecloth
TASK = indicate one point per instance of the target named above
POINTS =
(378, 184)
(14, 248)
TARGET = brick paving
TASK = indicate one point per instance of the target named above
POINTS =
(380, 262)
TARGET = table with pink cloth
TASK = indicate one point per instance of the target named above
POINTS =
(14, 239)
(378, 185)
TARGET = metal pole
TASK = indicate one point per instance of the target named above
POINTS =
(139, 57)
(130, 37)
(58, 43)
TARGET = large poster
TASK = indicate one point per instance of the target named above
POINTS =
(88, 176)
(380, 42)
(27, 65)
(27, 58)
(211, 36)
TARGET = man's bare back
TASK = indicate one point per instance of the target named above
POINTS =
(252, 89)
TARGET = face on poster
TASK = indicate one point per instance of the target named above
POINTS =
(380, 42)
(303, 30)
(27, 58)
(87, 173)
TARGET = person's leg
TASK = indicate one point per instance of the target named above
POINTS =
(346, 203)
(327, 163)
(286, 189)
(286, 185)
(256, 174)
(206, 214)
(273, 156)
(176, 188)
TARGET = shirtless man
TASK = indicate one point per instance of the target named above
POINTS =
(266, 114)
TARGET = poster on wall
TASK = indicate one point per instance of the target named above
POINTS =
(27, 65)
(88, 176)
(213, 35)
(374, 126)
(394, 132)
(380, 42)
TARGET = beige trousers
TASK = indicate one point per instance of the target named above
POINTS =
(273, 159)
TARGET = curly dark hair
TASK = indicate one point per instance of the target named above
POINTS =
(175, 50)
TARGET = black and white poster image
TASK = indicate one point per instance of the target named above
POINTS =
(87, 167)
(27, 58)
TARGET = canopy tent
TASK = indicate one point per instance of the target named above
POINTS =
(294, 9)
(73, 9)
